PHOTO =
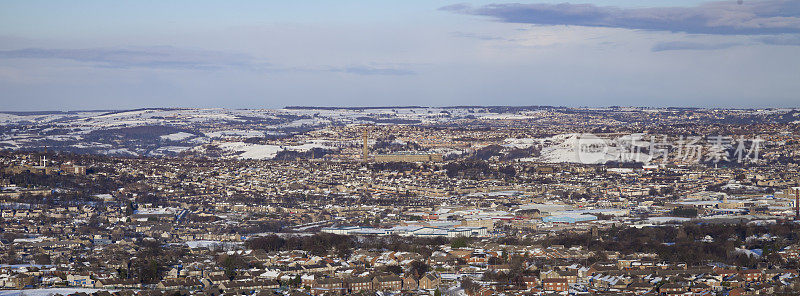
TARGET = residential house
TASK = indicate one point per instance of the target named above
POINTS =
(328, 285)
(358, 284)
(388, 283)
(430, 281)
(555, 284)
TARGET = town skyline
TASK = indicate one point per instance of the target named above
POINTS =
(459, 201)
(399, 148)
(379, 107)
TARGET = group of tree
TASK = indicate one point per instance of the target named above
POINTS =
(151, 261)
(689, 243)
(478, 170)
(343, 246)
(318, 244)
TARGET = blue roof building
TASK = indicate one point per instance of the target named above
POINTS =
(569, 219)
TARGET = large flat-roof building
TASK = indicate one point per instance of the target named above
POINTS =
(409, 157)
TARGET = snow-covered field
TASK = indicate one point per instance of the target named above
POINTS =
(210, 244)
(252, 151)
(258, 151)
(235, 133)
(175, 130)
(177, 136)
(583, 148)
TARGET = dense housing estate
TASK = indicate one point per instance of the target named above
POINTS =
(474, 201)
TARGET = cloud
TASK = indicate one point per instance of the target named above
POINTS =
(781, 40)
(371, 70)
(722, 17)
(475, 36)
(167, 57)
(145, 57)
(683, 45)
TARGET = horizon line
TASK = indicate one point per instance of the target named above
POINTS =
(43, 112)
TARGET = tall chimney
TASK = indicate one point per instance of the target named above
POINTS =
(796, 202)
(365, 148)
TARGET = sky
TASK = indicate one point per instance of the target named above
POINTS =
(90, 55)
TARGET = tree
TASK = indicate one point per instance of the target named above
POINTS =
(418, 268)
(459, 242)
(469, 286)
(122, 273)
(41, 259)
(149, 271)
(496, 261)
(231, 263)
(684, 212)
(653, 191)
(296, 281)
(129, 208)
(149, 248)
(396, 269)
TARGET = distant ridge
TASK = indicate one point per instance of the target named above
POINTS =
(112, 112)
(531, 107)
(107, 111)
(349, 108)
(28, 113)
(409, 107)
(496, 108)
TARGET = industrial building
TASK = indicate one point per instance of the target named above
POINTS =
(409, 157)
